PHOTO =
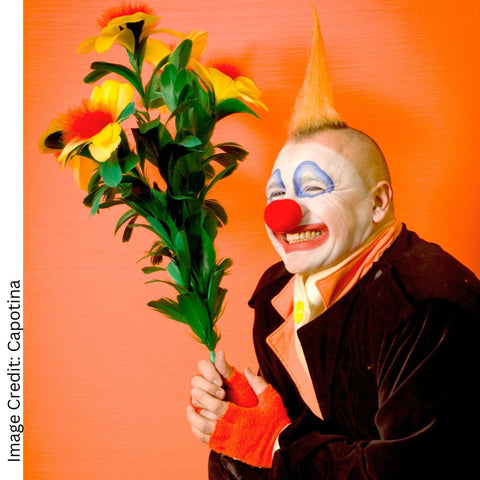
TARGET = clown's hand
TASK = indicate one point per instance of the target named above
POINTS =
(247, 434)
(234, 386)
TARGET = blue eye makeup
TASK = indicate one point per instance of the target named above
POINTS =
(275, 186)
(309, 180)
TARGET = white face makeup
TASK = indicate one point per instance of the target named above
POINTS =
(337, 207)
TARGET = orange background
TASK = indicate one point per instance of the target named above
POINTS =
(107, 379)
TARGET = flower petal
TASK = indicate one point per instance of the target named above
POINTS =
(126, 38)
(112, 96)
(156, 51)
(249, 91)
(148, 20)
(87, 45)
(66, 152)
(55, 127)
(199, 39)
(105, 42)
(223, 85)
(82, 168)
(104, 143)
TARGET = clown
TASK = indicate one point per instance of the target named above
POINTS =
(363, 333)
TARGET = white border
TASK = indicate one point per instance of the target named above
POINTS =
(11, 218)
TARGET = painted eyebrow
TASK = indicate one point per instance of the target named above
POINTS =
(275, 181)
(311, 171)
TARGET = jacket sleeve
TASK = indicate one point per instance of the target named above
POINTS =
(425, 374)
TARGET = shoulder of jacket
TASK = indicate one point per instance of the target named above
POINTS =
(423, 270)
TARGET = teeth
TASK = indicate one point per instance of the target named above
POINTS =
(302, 236)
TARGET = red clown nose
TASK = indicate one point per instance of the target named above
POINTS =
(283, 215)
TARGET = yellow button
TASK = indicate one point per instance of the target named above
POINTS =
(298, 312)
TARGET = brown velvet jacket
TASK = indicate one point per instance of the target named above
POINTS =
(394, 365)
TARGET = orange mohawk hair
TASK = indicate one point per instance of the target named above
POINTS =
(314, 106)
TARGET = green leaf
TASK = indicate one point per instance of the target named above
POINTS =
(119, 69)
(152, 95)
(174, 273)
(97, 199)
(156, 102)
(149, 270)
(127, 233)
(182, 88)
(167, 81)
(224, 159)
(124, 218)
(191, 141)
(202, 123)
(161, 231)
(181, 55)
(209, 256)
(218, 210)
(129, 162)
(97, 74)
(169, 308)
(183, 260)
(232, 105)
(224, 173)
(93, 184)
(111, 171)
(126, 112)
(200, 93)
(210, 224)
(194, 310)
(145, 127)
(233, 149)
(181, 108)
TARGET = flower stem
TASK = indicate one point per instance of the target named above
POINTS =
(212, 356)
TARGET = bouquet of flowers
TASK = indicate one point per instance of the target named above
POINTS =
(173, 109)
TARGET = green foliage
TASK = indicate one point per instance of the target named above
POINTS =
(184, 221)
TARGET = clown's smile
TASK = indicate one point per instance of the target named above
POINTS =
(305, 237)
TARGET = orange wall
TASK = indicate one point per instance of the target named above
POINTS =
(106, 379)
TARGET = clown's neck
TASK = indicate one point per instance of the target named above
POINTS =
(322, 288)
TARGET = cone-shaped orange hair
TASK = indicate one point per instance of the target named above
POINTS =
(314, 105)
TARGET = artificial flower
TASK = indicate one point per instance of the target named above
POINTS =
(52, 142)
(126, 25)
(93, 125)
(156, 50)
(95, 122)
(227, 82)
(82, 168)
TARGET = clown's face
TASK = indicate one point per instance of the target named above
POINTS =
(336, 206)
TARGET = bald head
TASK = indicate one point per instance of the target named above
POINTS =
(357, 147)
(363, 153)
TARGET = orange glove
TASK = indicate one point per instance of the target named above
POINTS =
(248, 434)
(239, 390)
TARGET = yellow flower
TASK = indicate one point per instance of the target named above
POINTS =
(83, 169)
(93, 125)
(157, 50)
(126, 25)
(227, 82)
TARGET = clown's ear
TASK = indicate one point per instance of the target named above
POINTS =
(314, 105)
